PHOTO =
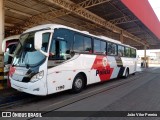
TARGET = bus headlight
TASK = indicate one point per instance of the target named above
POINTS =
(37, 77)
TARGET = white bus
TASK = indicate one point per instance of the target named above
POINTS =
(52, 58)
(9, 46)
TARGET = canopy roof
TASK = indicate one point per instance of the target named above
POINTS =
(101, 17)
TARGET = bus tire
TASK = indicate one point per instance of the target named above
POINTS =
(78, 84)
(126, 73)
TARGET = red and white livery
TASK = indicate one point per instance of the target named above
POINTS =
(52, 58)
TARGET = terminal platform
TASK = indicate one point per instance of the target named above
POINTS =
(139, 92)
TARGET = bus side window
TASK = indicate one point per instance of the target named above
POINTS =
(120, 51)
(58, 50)
(78, 43)
(103, 47)
(127, 52)
(97, 46)
(112, 49)
(133, 53)
(87, 45)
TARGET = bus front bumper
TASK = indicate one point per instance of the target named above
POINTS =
(36, 88)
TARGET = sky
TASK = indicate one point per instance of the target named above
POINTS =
(156, 7)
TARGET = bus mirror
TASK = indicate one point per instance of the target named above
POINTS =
(38, 40)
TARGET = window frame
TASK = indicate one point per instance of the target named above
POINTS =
(83, 35)
(74, 43)
(100, 53)
(84, 44)
(123, 50)
(129, 52)
(115, 47)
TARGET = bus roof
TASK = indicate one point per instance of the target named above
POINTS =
(11, 38)
(53, 26)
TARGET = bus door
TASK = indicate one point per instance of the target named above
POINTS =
(57, 55)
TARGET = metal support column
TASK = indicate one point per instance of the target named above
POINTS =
(1, 23)
(1, 38)
(145, 56)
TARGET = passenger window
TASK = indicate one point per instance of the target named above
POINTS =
(112, 49)
(97, 46)
(127, 52)
(87, 45)
(120, 50)
(133, 53)
(103, 47)
(58, 50)
(78, 43)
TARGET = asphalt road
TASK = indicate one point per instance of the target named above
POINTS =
(137, 93)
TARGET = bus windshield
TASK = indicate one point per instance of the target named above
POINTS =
(26, 54)
(9, 50)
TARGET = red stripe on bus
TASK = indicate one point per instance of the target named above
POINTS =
(103, 69)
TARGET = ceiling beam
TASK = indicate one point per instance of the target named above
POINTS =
(17, 4)
(58, 13)
(125, 19)
(91, 3)
(37, 19)
(72, 7)
(9, 24)
(17, 12)
(124, 14)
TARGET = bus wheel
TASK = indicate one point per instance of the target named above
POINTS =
(127, 73)
(78, 84)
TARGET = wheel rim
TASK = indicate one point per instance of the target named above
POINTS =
(78, 83)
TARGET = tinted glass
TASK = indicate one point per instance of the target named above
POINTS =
(58, 50)
(10, 50)
(78, 43)
(133, 53)
(97, 46)
(87, 45)
(26, 54)
(120, 50)
(127, 52)
(112, 49)
(66, 35)
(103, 47)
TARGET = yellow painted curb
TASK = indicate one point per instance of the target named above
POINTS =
(1, 77)
(1, 86)
(1, 69)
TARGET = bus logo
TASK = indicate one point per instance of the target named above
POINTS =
(104, 61)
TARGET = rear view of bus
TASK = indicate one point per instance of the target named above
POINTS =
(53, 58)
